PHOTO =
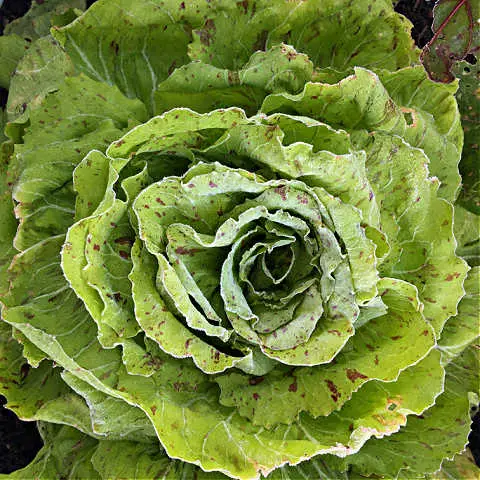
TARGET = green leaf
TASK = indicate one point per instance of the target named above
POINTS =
(318, 29)
(324, 389)
(138, 461)
(405, 103)
(161, 325)
(467, 234)
(66, 127)
(17, 40)
(203, 87)
(41, 16)
(110, 417)
(340, 104)
(469, 105)
(461, 331)
(433, 122)
(12, 49)
(438, 433)
(418, 225)
(126, 53)
(37, 393)
(8, 223)
(462, 466)
(39, 72)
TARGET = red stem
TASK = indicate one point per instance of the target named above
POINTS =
(471, 26)
(458, 6)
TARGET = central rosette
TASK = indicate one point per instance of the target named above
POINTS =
(178, 245)
(253, 267)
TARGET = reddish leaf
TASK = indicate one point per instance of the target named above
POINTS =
(455, 36)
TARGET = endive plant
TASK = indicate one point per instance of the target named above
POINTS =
(228, 243)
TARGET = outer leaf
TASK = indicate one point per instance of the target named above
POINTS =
(440, 432)
(37, 393)
(110, 417)
(203, 88)
(455, 30)
(462, 466)
(317, 29)
(66, 127)
(467, 233)
(40, 71)
(124, 51)
(12, 49)
(133, 461)
(39, 19)
(8, 224)
(433, 122)
(327, 467)
(462, 330)
(19, 34)
(468, 99)
(422, 255)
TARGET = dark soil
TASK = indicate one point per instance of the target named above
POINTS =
(12, 9)
(20, 441)
(419, 12)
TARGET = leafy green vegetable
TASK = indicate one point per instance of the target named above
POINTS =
(234, 255)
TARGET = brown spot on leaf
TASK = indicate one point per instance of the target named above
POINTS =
(451, 276)
(206, 34)
(353, 374)
(282, 191)
(114, 46)
(293, 387)
(255, 380)
(24, 370)
(335, 332)
(243, 5)
(333, 388)
(186, 251)
(123, 241)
